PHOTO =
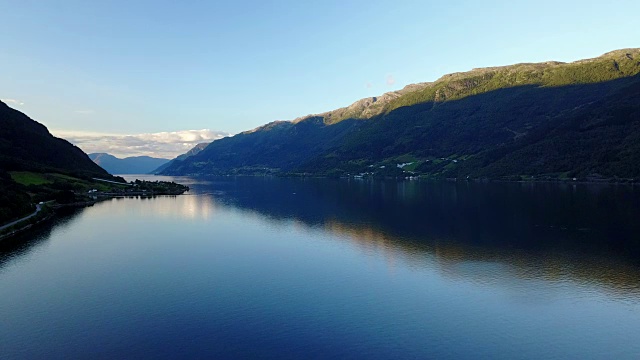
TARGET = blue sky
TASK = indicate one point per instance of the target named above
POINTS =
(131, 67)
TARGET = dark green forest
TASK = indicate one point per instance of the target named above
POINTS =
(527, 121)
(14, 200)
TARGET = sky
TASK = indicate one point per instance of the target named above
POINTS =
(165, 71)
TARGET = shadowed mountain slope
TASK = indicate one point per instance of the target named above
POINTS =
(493, 122)
(27, 145)
(196, 149)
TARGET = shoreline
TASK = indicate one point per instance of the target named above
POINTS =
(568, 181)
(28, 222)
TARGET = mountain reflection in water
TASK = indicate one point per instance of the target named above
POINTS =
(299, 268)
(545, 231)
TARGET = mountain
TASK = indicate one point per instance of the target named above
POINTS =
(27, 148)
(26, 145)
(128, 165)
(196, 149)
(543, 120)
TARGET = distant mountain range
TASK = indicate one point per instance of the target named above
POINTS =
(128, 165)
(543, 121)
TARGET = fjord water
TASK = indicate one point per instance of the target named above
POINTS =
(295, 268)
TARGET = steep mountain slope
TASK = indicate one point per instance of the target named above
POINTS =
(485, 122)
(196, 149)
(600, 139)
(467, 137)
(128, 165)
(278, 146)
(27, 145)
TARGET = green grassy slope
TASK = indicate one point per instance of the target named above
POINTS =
(464, 124)
(480, 130)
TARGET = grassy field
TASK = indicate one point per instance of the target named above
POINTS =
(29, 178)
(55, 180)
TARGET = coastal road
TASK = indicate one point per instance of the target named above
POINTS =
(38, 208)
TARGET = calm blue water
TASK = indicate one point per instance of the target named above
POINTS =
(294, 268)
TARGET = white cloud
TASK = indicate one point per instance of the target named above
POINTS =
(12, 102)
(391, 80)
(162, 144)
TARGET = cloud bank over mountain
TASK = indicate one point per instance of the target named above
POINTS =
(160, 144)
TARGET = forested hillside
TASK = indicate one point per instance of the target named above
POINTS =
(27, 147)
(546, 120)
